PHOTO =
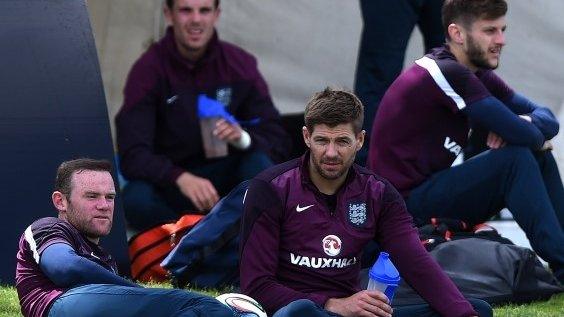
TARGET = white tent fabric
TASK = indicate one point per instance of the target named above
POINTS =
(305, 45)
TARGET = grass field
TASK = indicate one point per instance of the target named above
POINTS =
(554, 307)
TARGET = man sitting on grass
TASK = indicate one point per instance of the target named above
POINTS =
(62, 271)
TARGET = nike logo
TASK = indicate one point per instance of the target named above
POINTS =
(171, 99)
(300, 209)
(95, 256)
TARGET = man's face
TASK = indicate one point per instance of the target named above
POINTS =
(483, 42)
(332, 149)
(193, 22)
(90, 207)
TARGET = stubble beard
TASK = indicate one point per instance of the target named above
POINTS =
(477, 56)
(83, 225)
(335, 175)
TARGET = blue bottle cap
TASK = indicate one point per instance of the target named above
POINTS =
(384, 271)
(208, 108)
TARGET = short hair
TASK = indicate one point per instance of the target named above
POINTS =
(170, 4)
(65, 171)
(466, 12)
(333, 107)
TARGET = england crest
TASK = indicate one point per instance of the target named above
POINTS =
(223, 95)
(357, 214)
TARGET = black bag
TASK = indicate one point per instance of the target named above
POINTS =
(208, 255)
(483, 265)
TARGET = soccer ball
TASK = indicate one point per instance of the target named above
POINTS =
(242, 305)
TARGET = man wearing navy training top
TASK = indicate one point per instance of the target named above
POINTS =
(425, 119)
(62, 271)
(307, 221)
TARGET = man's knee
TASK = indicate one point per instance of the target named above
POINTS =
(300, 307)
(481, 307)
(253, 163)
(138, 194)
(209, 306)
(517, 155)
(201, 304)
(143, 206)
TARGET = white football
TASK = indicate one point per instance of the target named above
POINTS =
(242, 305)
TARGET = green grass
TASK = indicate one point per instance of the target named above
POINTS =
(9, 305)
(554, 307)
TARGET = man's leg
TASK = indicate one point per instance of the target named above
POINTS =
(220, 172)
(251, 164)
(552, 182)
(301, 308)
(224, 173)
(385, 34)
(423, 310)
(144, 206)
(122, 301)
(431, 24)
(478, 188)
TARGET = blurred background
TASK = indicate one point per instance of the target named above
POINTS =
(304, 45)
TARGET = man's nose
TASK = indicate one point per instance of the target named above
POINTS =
(500, 38)
(196, 16)
(104, 204)
(331, 150)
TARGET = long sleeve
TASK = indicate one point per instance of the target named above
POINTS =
(65, 268)
(541, 116)
(494, 116)
(399, 238)
(136, 125)
(259, 250)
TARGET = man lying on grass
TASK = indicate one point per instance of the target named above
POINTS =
(62, 271)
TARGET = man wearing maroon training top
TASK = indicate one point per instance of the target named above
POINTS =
(158, 127)
(307, 221)
(423, 124)
(63, 272)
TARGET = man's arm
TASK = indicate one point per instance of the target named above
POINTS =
(494, 116)
(541, 116)
(65, 268)
(260, 247)
(136, 132)
(136, 125)
(397, 236)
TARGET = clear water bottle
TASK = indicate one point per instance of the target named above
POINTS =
(383, 276)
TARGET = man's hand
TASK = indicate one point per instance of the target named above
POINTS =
(495, 141)
(200, 191)
(229, 132)
(363, 303)
(547, 146)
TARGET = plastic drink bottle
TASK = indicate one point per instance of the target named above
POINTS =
(383, 276)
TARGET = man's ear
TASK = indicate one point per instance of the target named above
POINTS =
(307, 136)
(59, 201)
(360, 137)
(456, 33)
(167, 12)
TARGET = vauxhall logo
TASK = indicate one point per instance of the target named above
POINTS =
(331, 246)
(452, 146)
